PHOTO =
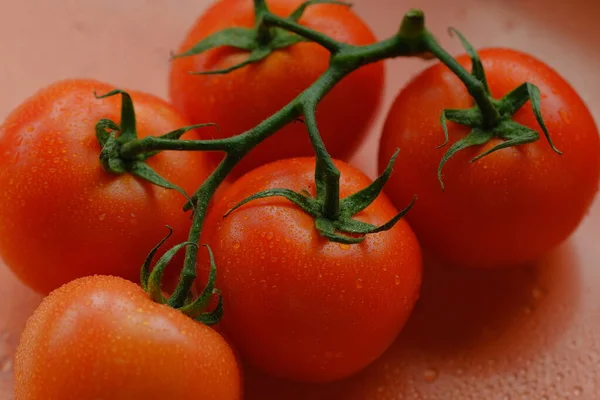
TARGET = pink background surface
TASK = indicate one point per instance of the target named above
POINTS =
(528, 333)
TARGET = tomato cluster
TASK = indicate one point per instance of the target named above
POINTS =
(316, 270)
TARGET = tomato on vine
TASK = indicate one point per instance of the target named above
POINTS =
(64, 216)
(102, 337)
(298, 305)
(518, 176)
(269, 67)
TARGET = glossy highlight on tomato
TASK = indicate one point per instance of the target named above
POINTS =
(510, 206)
(299, 306)
(101, 337)
(61, 215)
(241, 99)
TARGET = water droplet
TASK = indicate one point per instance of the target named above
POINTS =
(527, 310)
(537, 293)
(397, 280)
(30, 129)
(564, 116)
(460, 372)
(359, 283)
(236, 245)
(506, 397)
(430, 375)
(269, 235)
(384, 269)
(11, 182)
(560, 377)
(101, 217)
(344, 246)
(56, 160)
(577, 391)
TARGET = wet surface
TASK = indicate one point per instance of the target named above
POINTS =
(524, 333)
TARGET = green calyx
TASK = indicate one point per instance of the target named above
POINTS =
(341, 227)
(268, 34)
(151, 282)
(115, 139)
(489, 118)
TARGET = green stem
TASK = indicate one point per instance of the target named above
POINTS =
(344, 60)
(413, 24)
(261, 10)
(475, 87)
(203, 196)
(150, 143)
(331, 175)
(330, 44)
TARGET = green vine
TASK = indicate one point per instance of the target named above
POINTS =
(333, 216)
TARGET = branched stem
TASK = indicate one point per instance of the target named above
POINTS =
(475, 87)
(411, 40)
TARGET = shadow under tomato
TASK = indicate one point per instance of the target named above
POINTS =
(465, 320)
(463, 309)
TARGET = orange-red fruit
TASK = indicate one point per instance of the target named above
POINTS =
(511, 206)
(61, 215)
(241, 99)
(298, 306)
(101, 337)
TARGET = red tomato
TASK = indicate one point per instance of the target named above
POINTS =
(61, 215)
(101, 337)
(511, 206)
(241, 99)
(296, 305)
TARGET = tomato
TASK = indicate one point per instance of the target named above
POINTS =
(61, 215)
(510, 206)
(298, 306)
(101, 337)
(241, 99)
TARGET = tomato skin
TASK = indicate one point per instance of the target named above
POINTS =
(61, 215)
(241, 99)
(298, 306)
(511, 206)
(101, 337)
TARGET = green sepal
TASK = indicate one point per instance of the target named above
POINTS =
(145, 272)
(307, 204)
(470, 117)
(256, 55)
(127, 127)
(349, 225)
(297, 13)
(240, 38)
(143, 171)
(196, 307)
(109, 156)
(213, 317)
(327, 229)
(476, 137)
(155, 279)
(513, 133)
(360, 200)
(513, 101)
(104, 128)
(476, 66)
